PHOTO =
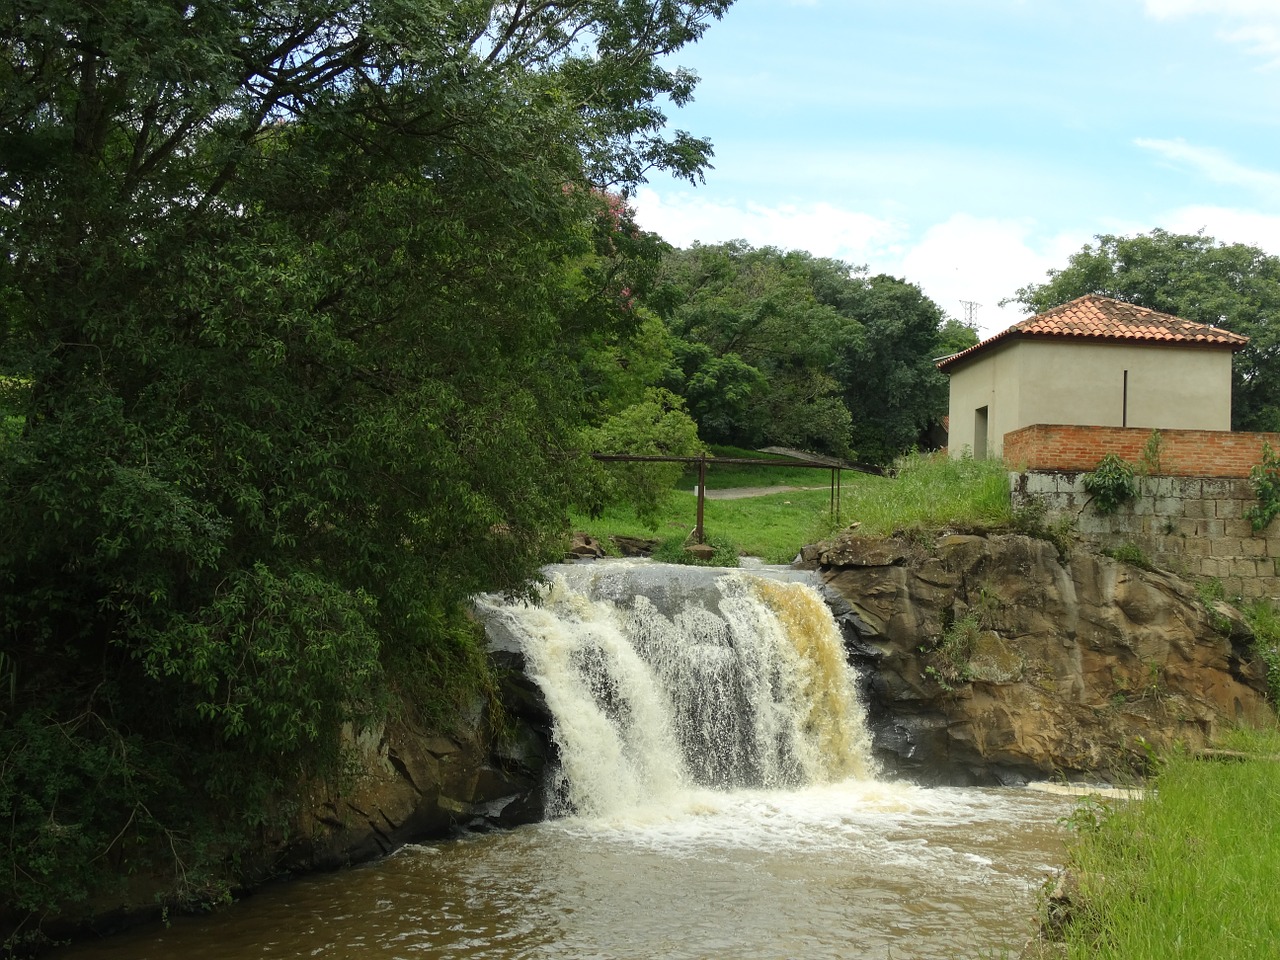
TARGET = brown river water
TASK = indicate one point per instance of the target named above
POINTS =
(853, 870)
(718, 799)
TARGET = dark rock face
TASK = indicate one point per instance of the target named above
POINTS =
(413, 786)
(988, 659)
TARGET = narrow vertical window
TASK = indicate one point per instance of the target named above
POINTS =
(1124, 401)
(980, 433)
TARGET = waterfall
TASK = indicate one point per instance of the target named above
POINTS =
(663, 679)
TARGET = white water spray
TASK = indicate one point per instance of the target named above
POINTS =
(664, 679)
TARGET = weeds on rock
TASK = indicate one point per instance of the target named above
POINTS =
(1264, 619)
(1211, 592)
(1149, 461)
(1131, 554)
(1031, 519)
(951, 667)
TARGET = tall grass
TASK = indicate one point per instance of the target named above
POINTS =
(930, 490)
(927, 492)
(1192, 871)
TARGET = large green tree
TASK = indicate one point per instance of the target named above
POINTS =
(287, 290)
(754, 346)
(1195, 277)
(789, 348)
(889, 380)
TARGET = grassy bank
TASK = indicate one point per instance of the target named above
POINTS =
(1191, 871)
(927, 491)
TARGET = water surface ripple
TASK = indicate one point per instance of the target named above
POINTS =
(848, 870)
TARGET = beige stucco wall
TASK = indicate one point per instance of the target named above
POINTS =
(1039, 381)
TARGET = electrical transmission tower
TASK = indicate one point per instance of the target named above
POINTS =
(970, 312)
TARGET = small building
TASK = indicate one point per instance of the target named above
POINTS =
(1093, 361)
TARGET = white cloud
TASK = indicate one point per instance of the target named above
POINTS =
(1228, 225)
(1254, 22)
(983, 260)
(820, 228)
(1240, 9)
(1215, 165)
(1260, 39)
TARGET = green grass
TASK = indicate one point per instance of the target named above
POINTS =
(928, 492)
(773, 527)
(1192, 870)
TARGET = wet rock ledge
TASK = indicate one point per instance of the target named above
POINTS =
(992, 659)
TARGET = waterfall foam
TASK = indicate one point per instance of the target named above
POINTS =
(664, 679)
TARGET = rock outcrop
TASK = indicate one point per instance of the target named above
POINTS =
(990, 659)
(410, 785)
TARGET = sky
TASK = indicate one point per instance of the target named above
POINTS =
(970, 146)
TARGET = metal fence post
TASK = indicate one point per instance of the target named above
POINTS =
(702, 493)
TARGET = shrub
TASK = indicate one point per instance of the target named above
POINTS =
(672, 550)
(1264, 477)
(1110, 484)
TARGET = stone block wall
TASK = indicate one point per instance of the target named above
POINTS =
(1184, 453)
(1193, 526)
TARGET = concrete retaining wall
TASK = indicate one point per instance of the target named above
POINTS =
(1193, 526)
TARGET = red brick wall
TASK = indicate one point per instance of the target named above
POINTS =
(1183, 453)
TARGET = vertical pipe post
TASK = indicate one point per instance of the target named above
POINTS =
(698, 534)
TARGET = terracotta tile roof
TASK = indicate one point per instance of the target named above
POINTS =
(1101, 319)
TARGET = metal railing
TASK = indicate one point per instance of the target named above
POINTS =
(704, 461)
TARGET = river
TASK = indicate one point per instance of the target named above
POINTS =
(716, 799)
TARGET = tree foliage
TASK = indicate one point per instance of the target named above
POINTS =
(754, 345)
(288, 292)
(1197, 278)
(891, 383)
(787, 348)
(657, 426)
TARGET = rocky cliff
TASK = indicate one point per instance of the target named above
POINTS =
(408, 785)
(990, 659)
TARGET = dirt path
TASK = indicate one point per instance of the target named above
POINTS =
(737, 493)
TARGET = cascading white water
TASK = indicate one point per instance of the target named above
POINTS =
(662, 679)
